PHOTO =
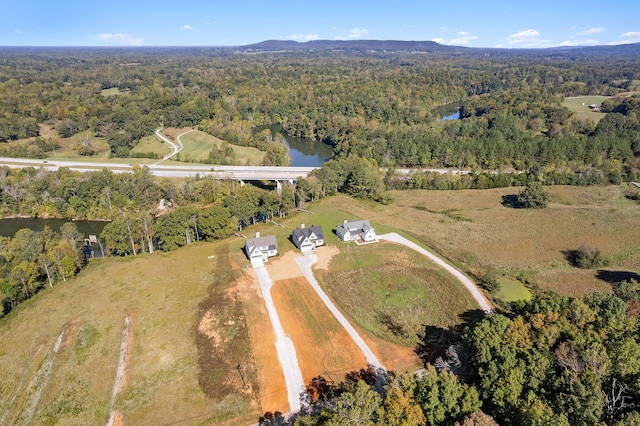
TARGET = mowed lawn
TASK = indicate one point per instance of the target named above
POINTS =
(580, 105)
(534, 243)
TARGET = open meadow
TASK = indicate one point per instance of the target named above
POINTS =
(580, 105)
(476, 232)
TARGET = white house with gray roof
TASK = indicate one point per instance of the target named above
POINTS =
(307, 238)
(357, 229)
(261, 248)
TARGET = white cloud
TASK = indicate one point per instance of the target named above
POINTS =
(633, 34)
(304, 37)
(117, 39)
(443, 28)
(591, 31)
(353, 33)
(585, 42)
(523, 36)
(528, 39)
(358, 32)
(464, 38)
(627, 38)
(188, 27)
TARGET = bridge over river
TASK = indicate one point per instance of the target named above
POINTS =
(243, 173)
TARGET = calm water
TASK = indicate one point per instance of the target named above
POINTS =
(9, 227)
(447, 112)
(303, 152)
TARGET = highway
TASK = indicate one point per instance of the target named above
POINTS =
(218, 172)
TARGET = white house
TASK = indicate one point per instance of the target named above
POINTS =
(261, 248)
(358, 229)
(307, 238)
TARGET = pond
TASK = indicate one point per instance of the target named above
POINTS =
(303, 152)
(447, 112)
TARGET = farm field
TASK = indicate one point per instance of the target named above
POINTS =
(580, 105)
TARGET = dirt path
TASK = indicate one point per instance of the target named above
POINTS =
(305, 263)
(473, 289)
(37, 385)
(296, 389)
(122, 362)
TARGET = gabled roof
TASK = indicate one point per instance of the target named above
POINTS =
(300, 234)
(356, 225)
(268, 241)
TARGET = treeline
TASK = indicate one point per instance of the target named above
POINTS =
(552, 361)
(32, 260)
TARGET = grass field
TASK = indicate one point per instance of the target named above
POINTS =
(197, 316)
(518, 242)
(512, 290)
(152, 144)
(164, 295)
(580, 105)
(393, 292)
(113, 91)
(197, 146)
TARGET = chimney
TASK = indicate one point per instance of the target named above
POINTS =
(257, 234)
(302, 225)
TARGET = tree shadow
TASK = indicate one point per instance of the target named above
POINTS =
(434, 340)
(511, 200)
(571, 256)
(614, 277)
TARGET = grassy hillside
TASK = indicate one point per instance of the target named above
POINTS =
(473, 229)
(167, 296)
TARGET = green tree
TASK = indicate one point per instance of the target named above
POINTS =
(533, 196)
(360, 407)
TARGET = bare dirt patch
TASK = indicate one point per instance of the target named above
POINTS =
(323, 346)
(284, 267)
(324, 255)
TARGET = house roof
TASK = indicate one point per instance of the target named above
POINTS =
(356, 225)
(300, 234)
(266, 241)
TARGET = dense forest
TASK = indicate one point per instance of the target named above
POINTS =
(552, 361)
(375, 106)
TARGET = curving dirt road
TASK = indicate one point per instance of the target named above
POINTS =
(473, 289)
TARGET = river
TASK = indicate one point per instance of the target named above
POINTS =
(303, 152)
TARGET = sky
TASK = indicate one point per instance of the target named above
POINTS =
(506, 24)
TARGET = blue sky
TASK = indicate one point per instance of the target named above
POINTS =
(510, 24)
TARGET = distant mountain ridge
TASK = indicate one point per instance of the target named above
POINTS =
(418, 46)
(355, 45)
